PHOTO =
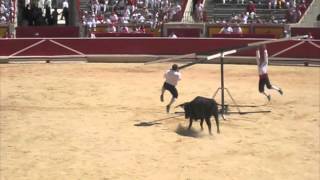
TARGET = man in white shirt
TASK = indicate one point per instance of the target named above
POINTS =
(65, 4)
(262, 62)
(114, 18)
(172, 77)
(173, 35)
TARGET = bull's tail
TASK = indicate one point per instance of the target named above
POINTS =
(225, 107)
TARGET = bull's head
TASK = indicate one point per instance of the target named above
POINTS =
(186, 107)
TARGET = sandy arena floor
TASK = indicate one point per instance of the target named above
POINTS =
(105, 121)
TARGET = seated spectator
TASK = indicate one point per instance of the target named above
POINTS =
(114, 18)
(112, 28)
(199, 11)
(173, 35)
(280, 3)
(3, 20)
(141, 19)
(272, 4)
(124, 29)
(6, 12)
(292, 15)
(272, 19)
(91, 34)
(226, 29)
(238, 1)
(95, 6)
(244, 18)
(142, 29)
(237, 29)
(3, 9)
(90, 22)
(251, 8)
(302, 7)
(100, 19)
(126, 16)
(235, 18)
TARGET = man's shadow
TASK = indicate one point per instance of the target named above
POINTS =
(182, 131)
(154, 122)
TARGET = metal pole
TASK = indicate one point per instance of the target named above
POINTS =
(222, 83)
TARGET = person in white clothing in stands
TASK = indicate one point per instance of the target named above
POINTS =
(65, 4)
(172, 77)
(262, 62)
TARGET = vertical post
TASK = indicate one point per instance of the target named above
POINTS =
(222, 82)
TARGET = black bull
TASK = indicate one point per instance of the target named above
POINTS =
(201, 108)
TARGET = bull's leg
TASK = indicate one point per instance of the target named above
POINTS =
(190, 123)
(201, 124)
(209, 125)
(217, 123)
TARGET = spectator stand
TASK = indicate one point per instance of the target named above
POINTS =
(249, 30)
(7, 18)
(4, 31)
(184, 29)
(314, 32)
(255, 11)
(45, 13)
(114, 16)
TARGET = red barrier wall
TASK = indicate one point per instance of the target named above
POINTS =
(153, 46)
(187, 32)
(315, 32)
(107, 34)
(250, 35)
(47, 31)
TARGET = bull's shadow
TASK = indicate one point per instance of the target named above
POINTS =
(184, 131)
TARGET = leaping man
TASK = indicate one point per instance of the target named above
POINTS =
(262, 62)
(172, 77)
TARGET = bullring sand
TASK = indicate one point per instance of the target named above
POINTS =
(106, 121)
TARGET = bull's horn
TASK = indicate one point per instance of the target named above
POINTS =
(181, 105)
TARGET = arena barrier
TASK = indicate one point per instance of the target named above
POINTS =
(313, 31)
(145, 49)
(47, 31)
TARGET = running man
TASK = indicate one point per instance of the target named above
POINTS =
(262, 62)
(172, 77)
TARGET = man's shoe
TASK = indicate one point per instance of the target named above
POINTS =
(280, 91)
(161, 98)
(168, 108)
(269, 97)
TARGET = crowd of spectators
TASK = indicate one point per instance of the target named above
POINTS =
(41, 13)
(293, 10)
(6, 11)
(228, 29)
(130, 15)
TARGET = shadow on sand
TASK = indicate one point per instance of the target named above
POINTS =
(184, 131)
(146, 123)
(154, 122)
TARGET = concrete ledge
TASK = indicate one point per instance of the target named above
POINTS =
(147, 58)
(4, 60)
